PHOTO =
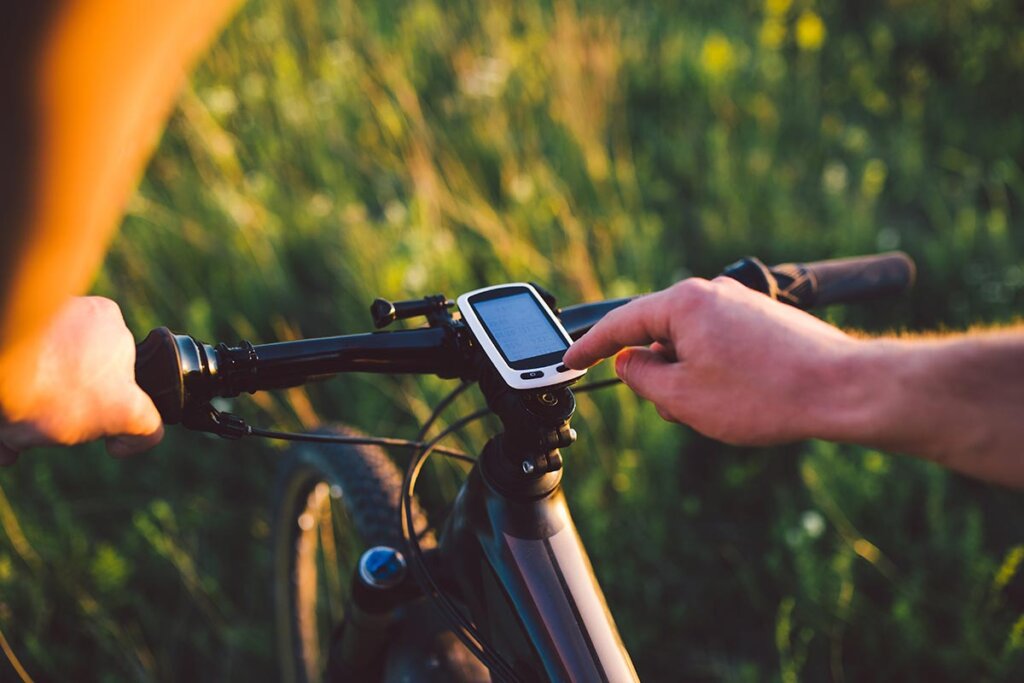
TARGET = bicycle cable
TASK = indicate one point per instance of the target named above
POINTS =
(440, 408)
(461, 626)
(594, 386)
(307, 437)
(418, 443)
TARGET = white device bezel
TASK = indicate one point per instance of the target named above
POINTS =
(509, 374)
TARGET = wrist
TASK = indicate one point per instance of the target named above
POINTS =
(891, 394)
(860, 389)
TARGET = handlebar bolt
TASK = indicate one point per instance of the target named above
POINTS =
(528, 467)
(548, 399)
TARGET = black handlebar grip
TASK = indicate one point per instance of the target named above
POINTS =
(158, 373)
(846, 280)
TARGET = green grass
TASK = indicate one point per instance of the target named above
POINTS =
(327, 153)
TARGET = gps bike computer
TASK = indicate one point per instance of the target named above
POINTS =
(520, 335)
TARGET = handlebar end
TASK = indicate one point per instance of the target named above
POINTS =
(158, 373)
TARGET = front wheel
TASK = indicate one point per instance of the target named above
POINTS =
(332, 502)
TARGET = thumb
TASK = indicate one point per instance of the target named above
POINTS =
(643, 370)
(127, 445)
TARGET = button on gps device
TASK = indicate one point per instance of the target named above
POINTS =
(519, 334)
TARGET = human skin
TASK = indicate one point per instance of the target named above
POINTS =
(82, 387)
(90, 85)
(744, 369)
(105, 74)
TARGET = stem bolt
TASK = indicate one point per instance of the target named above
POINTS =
(528, 467)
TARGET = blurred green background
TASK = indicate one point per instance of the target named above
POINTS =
(326, 153)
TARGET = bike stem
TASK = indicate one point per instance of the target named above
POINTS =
(524, 460)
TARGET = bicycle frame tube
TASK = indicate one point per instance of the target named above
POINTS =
(529, 586)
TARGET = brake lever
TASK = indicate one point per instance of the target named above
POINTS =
(206, 418)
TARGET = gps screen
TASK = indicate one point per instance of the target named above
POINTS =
(519, 327)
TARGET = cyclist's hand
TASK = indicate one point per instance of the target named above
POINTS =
(728, 361)
(79, 385)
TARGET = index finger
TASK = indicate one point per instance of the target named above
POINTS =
(638, 323)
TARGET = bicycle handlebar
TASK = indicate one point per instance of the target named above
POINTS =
(820, 283)
(857, 279)
(178, 371)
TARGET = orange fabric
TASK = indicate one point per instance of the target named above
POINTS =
(108, 74)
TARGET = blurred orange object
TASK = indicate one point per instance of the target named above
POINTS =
(106, 75)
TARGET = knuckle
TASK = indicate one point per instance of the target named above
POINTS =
(108, 310)
(102, 305)
(606, 321)
(691, 292)
(612, 318)
(726, 281)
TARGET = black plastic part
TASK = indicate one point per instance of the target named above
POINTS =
(753, 274)
(820, 283)
(206, 418)
(429, 350)
(548, 297)
(158, 373)
(434, 307)
(536, 425)
(855, 279)
(383, 313)
(376, 600)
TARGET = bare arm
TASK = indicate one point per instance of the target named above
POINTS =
(101, 76)
(90, 83)
(958, 401)
(742, 368)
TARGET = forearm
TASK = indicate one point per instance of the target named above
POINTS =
(957, 401)
(105, 74)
